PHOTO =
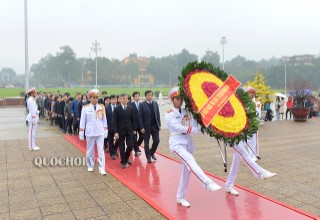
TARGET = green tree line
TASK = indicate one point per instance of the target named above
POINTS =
(65, 69)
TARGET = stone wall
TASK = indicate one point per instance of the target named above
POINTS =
(11, 102)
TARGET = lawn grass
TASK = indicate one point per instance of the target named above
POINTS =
(15, 92)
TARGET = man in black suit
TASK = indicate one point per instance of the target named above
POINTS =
(123, 123)
(101, 100)
(135, 105)
(150, 124)
(113, 146)
(62, 103)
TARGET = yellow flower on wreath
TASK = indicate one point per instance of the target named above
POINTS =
(231, 125)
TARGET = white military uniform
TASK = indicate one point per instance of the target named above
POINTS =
(181, 144)
(254, 141)
(94, 123)
(239, 152)
(32, 119)
(258, 107)
(160, 99)
(254, 144)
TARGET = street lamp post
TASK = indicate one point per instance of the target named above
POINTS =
(223, 42)
(26, 56)
(285, 75)
(96, 48)
(130, 83)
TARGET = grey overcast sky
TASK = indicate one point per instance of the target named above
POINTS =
(254, 29)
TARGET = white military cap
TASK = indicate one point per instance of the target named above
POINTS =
(252, 89)
(33, 90)
(245, 89)
(93, 93)
(174, 92)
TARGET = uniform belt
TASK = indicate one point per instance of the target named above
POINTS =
(175, 133)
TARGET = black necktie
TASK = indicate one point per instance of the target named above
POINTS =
(180, 111)
(95, 107)
(125, 110)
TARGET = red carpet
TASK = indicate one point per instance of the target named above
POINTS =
(157, 183)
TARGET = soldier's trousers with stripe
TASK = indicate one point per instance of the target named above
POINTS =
(189, 164)
(239, 152)
(32, 127)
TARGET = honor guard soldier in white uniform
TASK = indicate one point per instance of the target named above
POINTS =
(181, 124)
(253, 142)
(239, 152)
(94, 123)
(32, 119)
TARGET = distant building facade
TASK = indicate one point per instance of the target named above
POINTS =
(306, 59)
(143, 77)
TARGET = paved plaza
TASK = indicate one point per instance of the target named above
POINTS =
(289, 148)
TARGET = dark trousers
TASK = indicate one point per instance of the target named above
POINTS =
(125, 153)
(288, 110)
(113, 146)
(57, 120)
(41, 114)
(61, 122)
(75, 123)
(52, 119)
(137, 141)
(154, 132)
(268, 115)
(65, 124)
(106, 144)
(68, 125)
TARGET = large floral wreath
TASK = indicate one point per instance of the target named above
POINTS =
(236, 121)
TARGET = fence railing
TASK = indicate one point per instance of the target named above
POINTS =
(12, 101)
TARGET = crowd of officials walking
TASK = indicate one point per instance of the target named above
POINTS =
(121, 123)
(126, 129)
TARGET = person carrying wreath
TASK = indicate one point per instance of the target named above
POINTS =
(181, 125)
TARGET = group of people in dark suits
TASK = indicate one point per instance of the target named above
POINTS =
(130, 124)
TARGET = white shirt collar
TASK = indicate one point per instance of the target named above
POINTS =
(93, 105)
(176, 110)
